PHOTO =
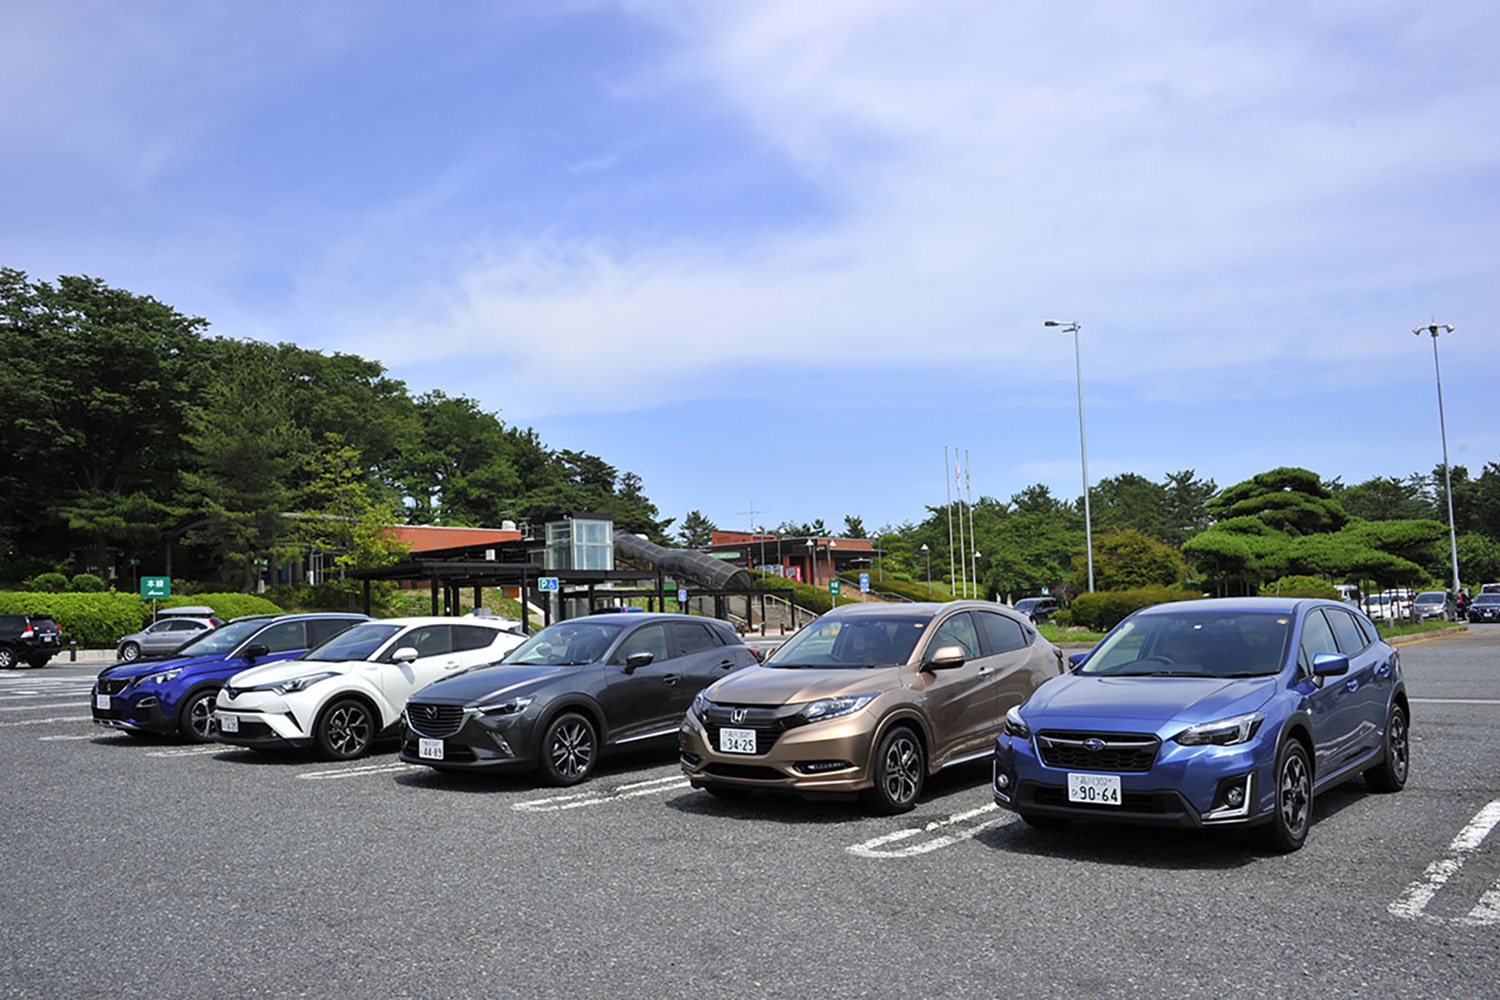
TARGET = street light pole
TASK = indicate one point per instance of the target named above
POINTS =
(928, 553)
(1434, 329)
(1083, 447)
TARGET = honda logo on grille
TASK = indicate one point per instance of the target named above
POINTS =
(1093, 744)
(737, 715)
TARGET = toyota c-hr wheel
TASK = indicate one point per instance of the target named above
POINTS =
(344, 730)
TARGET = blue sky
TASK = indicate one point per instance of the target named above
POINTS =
(781, 254)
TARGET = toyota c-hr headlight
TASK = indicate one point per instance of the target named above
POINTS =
(1223, 733)
(832, 708)
(293, 684)
(1015, 725)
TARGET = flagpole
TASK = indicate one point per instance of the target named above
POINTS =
(973, 545)
(963, 564)
(948, 505)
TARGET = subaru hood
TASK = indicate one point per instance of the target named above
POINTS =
(1142, 703)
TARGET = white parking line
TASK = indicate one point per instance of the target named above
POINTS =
(1455, 701)
(189, 751)
(875, 846)
(556, 803)
(32, 708)
(46, 722)
(359, 771)
(1412, 904)
(53, 739)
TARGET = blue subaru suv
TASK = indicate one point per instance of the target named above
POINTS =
(177, 694)
(1211, 713)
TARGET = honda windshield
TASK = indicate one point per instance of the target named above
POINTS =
(866, 641)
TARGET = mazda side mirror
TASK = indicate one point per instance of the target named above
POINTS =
(637, 660)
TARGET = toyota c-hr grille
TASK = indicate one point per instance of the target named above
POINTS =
(434, 721)
(1121, 752)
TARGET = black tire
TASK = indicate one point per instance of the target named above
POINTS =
(38, 662)
(1291, 811)
(130, 651)
(7, 658)
(899, 770)
(345, 730)
(1390, 774)
(569, 750)
(195, 720)
(1044, 822)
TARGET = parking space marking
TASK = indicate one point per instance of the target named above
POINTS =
(1455, 701)
(189, 751)
(576, 800)
(32, 708)
(875, 846)
(47, 722)
(359, 771)
(53, 739)
(1412, 904)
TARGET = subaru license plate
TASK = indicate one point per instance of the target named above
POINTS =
(1094, 789)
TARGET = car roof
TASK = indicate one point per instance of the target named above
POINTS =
(303, 616)
(1284, 605)
(499, 624)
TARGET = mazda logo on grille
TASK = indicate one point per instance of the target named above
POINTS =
(737, 715)
(430, 711)
(1093, 744)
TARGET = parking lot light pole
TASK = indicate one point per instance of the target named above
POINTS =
(928, 553)
(1435, 329)
(1083, 447)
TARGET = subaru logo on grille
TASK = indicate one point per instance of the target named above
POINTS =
(737, 715)
(1093, 744)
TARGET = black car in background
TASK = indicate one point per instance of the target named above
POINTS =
(1038, 609)
(570, 692)
(1485, 608)
(32, 639)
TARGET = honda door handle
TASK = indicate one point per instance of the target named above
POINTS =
(986, 671)
(669, 679)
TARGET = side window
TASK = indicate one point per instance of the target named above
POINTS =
(1351, 640)
(957, 630)
(473, 637)
(1003, 634)
(692, 637)
(283, 637)
(429, 640)
(319, 629)
(1317, 638)
(648, 638)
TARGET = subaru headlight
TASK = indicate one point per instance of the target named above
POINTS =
(1223, 733)
(1015, 725)
(510, 706)
(831, 708)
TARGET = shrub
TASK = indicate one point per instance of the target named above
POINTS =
(1103, 610)
(86, 583)
(1299, 586)
(225, 605)
(49, 583)
(92, 620)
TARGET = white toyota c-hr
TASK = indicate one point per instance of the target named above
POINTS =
(341, 696)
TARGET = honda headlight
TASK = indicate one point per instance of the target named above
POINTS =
(831, 708)
(701, 703)
(1223, 733)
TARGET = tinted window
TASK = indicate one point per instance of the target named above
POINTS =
(427, 640)
(648, 638)
(473, 636)
(1350, 639)
(692, 637)
(1194, 643)
(1003, 634)
(322, 629)
(565, 644)
(1317, 639)
(283, 637)
(357, 643)
(957, 630)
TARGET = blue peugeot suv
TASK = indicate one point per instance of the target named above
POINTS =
(1211, 713)
(177, 694)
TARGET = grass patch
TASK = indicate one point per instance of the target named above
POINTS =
(1412, 628)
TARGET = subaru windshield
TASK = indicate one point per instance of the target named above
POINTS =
(851, 643)
(1194, 644)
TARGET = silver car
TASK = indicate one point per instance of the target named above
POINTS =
(175, 627)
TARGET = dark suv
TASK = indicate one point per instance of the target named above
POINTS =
(32, 638)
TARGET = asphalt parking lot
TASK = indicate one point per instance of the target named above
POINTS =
(156, 868)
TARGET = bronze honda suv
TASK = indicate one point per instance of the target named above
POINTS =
(867, 700)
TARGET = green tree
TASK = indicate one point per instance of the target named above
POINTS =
(1130, 501)
(1127, 558)
(343, 512)
(1286, 499)
(1187, 499)
(696, 531)
(854, 527)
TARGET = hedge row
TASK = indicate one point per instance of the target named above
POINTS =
(96, 621)
(1103, 610)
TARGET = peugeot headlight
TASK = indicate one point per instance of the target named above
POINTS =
(1223, 733)
(510, 706)
(163, 677)
(1015, 725)
(831, 708)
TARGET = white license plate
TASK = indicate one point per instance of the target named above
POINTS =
(1094, 789)
(229, 723)
(736, 741)
(429, 749)
(101, 702)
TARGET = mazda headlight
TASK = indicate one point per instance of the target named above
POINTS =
(832, 708)
(1223, 733)
(1015, 725)
(510, 706)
